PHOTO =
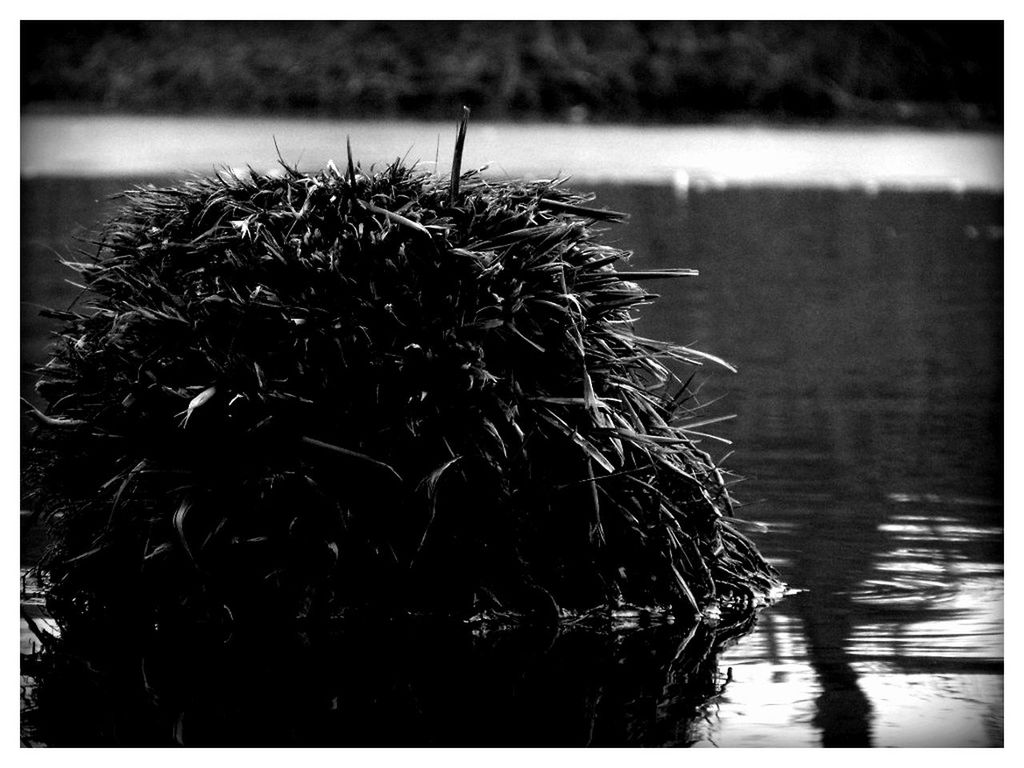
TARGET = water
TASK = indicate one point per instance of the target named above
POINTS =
(868, 334)
(697, 156)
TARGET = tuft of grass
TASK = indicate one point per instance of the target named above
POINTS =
(301, 395)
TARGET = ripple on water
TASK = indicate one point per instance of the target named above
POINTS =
(927, 710)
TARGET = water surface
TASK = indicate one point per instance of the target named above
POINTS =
(699, 156)
(868, 334)
(867, 330)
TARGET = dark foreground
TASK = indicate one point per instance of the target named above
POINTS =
(409, 684)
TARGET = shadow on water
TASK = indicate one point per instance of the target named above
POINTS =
(404, 684)
(868, 333)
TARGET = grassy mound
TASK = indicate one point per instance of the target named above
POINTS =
(299, 395)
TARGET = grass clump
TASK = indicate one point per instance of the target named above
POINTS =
(304, 394)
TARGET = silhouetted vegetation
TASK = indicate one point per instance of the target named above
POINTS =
(305, 395)
(930, 73)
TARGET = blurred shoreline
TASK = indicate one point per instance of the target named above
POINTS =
(685, 157)
(917, 73)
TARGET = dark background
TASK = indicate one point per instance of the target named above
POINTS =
(941, 74)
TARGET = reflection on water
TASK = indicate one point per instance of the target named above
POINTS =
(406, 683)
(927, 710)
(867, 330)
(868, 334)
(699, 156)
(774, 692)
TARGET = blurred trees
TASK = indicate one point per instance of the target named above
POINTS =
(657, 71)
